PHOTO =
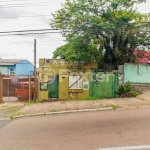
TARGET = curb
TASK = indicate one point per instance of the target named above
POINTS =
(61, 112)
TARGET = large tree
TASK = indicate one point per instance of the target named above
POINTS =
(96, 28)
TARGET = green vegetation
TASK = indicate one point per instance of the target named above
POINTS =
(17, 114)
(101, 31)
(125, 90)
(114, 106)
(31, 102)
(90, 98)
(56, 110)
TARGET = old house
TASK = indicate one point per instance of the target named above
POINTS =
(64, 79)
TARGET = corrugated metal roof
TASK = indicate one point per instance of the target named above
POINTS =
(10, 62)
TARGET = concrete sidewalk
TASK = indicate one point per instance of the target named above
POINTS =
(8, 109)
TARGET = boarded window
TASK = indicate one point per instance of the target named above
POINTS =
(75, 82)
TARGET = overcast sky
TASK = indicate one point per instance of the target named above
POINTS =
(18, 15)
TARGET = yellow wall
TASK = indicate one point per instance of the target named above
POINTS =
(43, 95)
(63, 68)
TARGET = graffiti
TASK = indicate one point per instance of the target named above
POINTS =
(99, 77)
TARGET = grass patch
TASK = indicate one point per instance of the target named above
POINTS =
(90, 98)
(31, 102)
(16, 114)
(113, 106)
(56, 110)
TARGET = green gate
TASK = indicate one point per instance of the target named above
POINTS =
(53, 88)
(103, 85)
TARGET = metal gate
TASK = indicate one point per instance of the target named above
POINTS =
(103, 85)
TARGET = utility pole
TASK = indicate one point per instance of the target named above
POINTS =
(34, 60)
(1, 88)
(35, 84)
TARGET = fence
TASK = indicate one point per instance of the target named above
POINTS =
(23, 90)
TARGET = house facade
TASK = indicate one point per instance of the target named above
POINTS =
(19, 67)
(64, 79)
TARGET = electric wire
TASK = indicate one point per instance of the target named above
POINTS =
(1, 17)
(26, 4)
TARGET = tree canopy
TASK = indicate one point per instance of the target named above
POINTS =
(101, 31)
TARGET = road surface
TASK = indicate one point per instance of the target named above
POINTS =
(126, 129)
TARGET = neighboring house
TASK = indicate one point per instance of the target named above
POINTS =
(142, 56)
(20, 67)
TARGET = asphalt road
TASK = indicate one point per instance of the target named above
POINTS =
(78, 131)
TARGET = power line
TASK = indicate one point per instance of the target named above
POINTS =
(68, 30)
(23, 16)
(26, 25)
(7, 1)
(28, 33)
(26, 4)
(31, 30)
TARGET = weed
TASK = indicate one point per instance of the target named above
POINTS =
(114, 106)
(16, 114)
(11, 116)
(90, 98)
(31, 102)
(135, 93)
(125, 90)
(56, 110)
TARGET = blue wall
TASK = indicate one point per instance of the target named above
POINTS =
(137, 73)
(7, 69)
(24, 68)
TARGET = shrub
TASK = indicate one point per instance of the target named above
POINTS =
(125, 90)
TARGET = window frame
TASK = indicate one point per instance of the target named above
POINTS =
(11, 73)
(76, 84)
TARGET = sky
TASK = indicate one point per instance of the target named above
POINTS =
(17, 15)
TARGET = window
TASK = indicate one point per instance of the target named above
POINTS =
(12, 71)
(43, 86)
(75, 82)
